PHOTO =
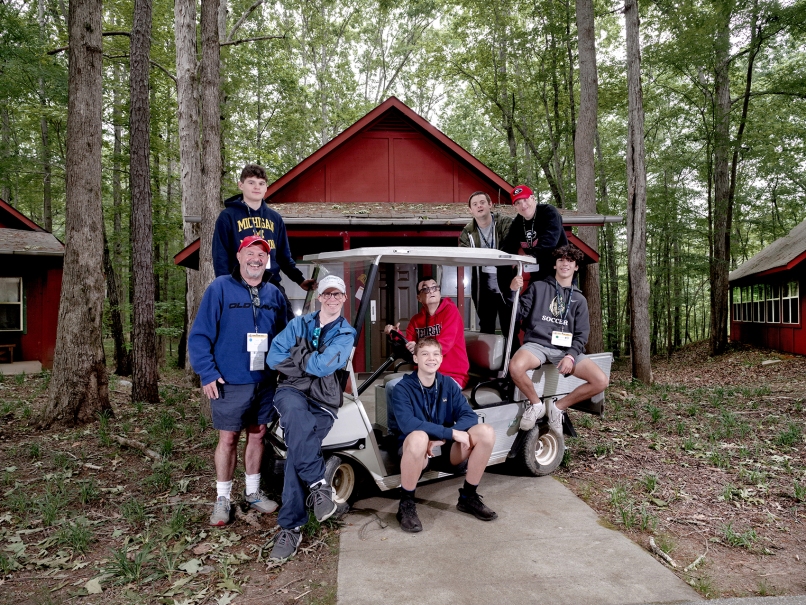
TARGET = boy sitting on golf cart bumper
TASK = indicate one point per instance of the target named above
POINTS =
(554, 317)
(430, 410)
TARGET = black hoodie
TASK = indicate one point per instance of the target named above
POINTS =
(238, 221)
(541, 314)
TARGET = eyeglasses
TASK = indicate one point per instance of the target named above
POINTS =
(316, 334)
(429, 289)
(333, 295)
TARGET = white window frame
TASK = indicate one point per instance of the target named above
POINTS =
(737, 303)
(17, 304)
(773, 303)
(790, 300)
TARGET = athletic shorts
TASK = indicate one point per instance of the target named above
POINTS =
(242, 405)
(549, 354)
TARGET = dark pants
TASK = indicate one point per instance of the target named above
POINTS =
(491, 306)
(305, 425)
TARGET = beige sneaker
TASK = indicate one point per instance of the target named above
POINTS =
(531, 415)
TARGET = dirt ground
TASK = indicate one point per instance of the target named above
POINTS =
(708, 461)
(83, 518)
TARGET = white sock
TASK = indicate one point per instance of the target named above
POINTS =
(224, 488)
(252, 483)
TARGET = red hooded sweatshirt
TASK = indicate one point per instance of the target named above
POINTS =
(447, 327)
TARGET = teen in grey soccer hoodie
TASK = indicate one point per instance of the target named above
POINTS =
(542, 311)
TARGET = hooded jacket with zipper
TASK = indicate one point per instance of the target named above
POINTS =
(238, 221)
(412, 410)
(470, 238)
(541, 314)
(447, 327)
(311, 371)
(217, 340)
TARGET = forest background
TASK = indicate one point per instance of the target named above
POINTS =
(500, 78)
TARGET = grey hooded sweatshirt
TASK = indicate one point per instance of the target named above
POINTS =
(542, 313)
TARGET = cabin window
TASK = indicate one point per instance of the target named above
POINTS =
(10, 304)
(737, 304)
(790, 303)
(747, 303)
(773, 303)
(758, 303)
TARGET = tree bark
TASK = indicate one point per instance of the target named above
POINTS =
(47, 213)
(79, 385)
(584, 144)
(613, 316)
(145, 378)
(190, 172)
(638, 289)
(211, 135)
(5, 148)
(123, 358)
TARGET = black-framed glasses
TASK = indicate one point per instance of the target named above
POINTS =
(316, 334)
(333, 295)
(429, 289)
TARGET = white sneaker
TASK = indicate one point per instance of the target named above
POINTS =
(555, 418)
(532, 414)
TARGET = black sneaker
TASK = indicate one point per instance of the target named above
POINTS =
(407, 516)
(472, 504)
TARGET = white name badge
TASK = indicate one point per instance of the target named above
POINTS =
(531, 268)
(489, 269)
(257, 342)
(561, 339)
(257, 361)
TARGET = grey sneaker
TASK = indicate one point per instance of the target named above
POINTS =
(555, 419)
(286, 544)
(260, 502)
(221, 512)
(532, 414)
(322, 500)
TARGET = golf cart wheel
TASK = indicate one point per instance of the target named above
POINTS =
(340, 475)
(542, 451)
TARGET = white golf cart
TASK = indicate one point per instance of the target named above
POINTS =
(358, 447)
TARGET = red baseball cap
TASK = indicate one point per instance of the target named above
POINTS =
(252, 240)
(520, 192)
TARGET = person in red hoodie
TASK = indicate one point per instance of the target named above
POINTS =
(439, 319)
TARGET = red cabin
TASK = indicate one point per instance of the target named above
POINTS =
(766, 308)
(391, 178)
(30, 285)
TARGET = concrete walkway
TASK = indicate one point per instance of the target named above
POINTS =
(546, 546)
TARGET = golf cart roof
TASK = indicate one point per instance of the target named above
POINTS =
(422, 255)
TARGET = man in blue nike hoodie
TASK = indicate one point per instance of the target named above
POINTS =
(428, 409)
(247, 214)
(238, 316)
(308, 354)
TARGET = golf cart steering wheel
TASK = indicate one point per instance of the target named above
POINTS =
(398, 344)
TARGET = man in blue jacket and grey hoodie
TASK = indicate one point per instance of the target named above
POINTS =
(248, 215)
(309, 355)
(429, 410)
(237, 319)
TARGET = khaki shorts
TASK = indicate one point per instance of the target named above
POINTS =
(549, 354)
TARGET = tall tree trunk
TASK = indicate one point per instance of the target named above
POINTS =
(190, 173)
(47, 213)
(117, 193)
(211, 135)
(123, 358)
(144, 367)
(5, 148)
(720, 261)
(636, 204)
(79, 387)
(159, 243)
(613, 316)
(584, 144)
